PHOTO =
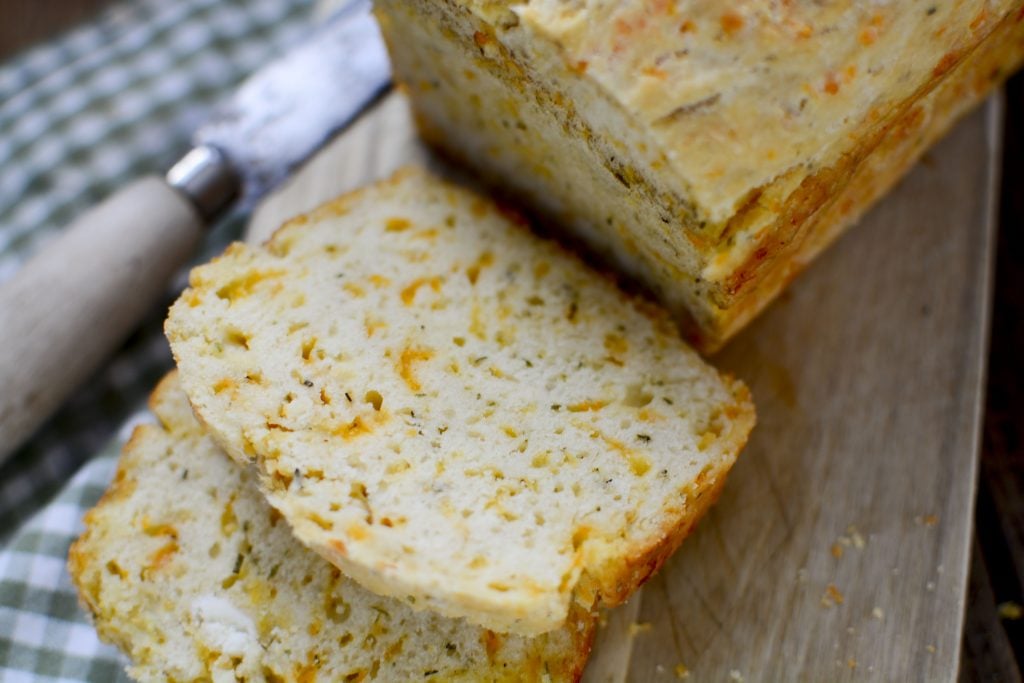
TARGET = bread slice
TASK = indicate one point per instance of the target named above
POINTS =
(186, 568)
(453, 411)
(711, 148)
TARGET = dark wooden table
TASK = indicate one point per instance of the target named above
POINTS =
(994, 644)
(993, 640)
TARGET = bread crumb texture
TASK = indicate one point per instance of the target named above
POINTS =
(454, 411)
(186, 568)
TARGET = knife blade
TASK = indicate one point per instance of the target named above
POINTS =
(68, 308)
(288, 109)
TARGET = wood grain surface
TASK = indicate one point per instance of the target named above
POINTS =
(840, 548)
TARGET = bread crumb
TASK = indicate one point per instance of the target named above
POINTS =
(852, 538)
(930, 648)
(831, 597)
(1011, 611)
(927, 520)
(852, 663)
(878, 614)
(682, 672)
(735, 675)
(856, 538)
(639, 627)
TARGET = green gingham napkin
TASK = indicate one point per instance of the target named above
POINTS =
(80, 116)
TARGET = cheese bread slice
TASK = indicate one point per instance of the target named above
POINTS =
(454, 411)
(186, 568)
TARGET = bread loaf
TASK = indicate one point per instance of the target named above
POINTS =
(454, 411)
(186, 568)
(710, 148)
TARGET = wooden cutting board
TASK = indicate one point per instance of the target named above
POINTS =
(839, 550)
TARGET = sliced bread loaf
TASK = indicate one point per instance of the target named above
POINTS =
(711, 147)
(188, 570)
(454, 411)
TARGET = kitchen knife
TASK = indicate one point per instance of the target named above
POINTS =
(72, 305)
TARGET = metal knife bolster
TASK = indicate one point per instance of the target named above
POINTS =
(205, 176)
(284, 112)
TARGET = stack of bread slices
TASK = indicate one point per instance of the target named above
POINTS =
(407, 439)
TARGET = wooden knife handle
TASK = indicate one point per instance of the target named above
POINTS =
(71, 306)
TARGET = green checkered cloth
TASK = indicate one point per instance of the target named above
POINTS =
(79, 117)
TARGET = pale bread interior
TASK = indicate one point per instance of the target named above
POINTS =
(453, 411)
